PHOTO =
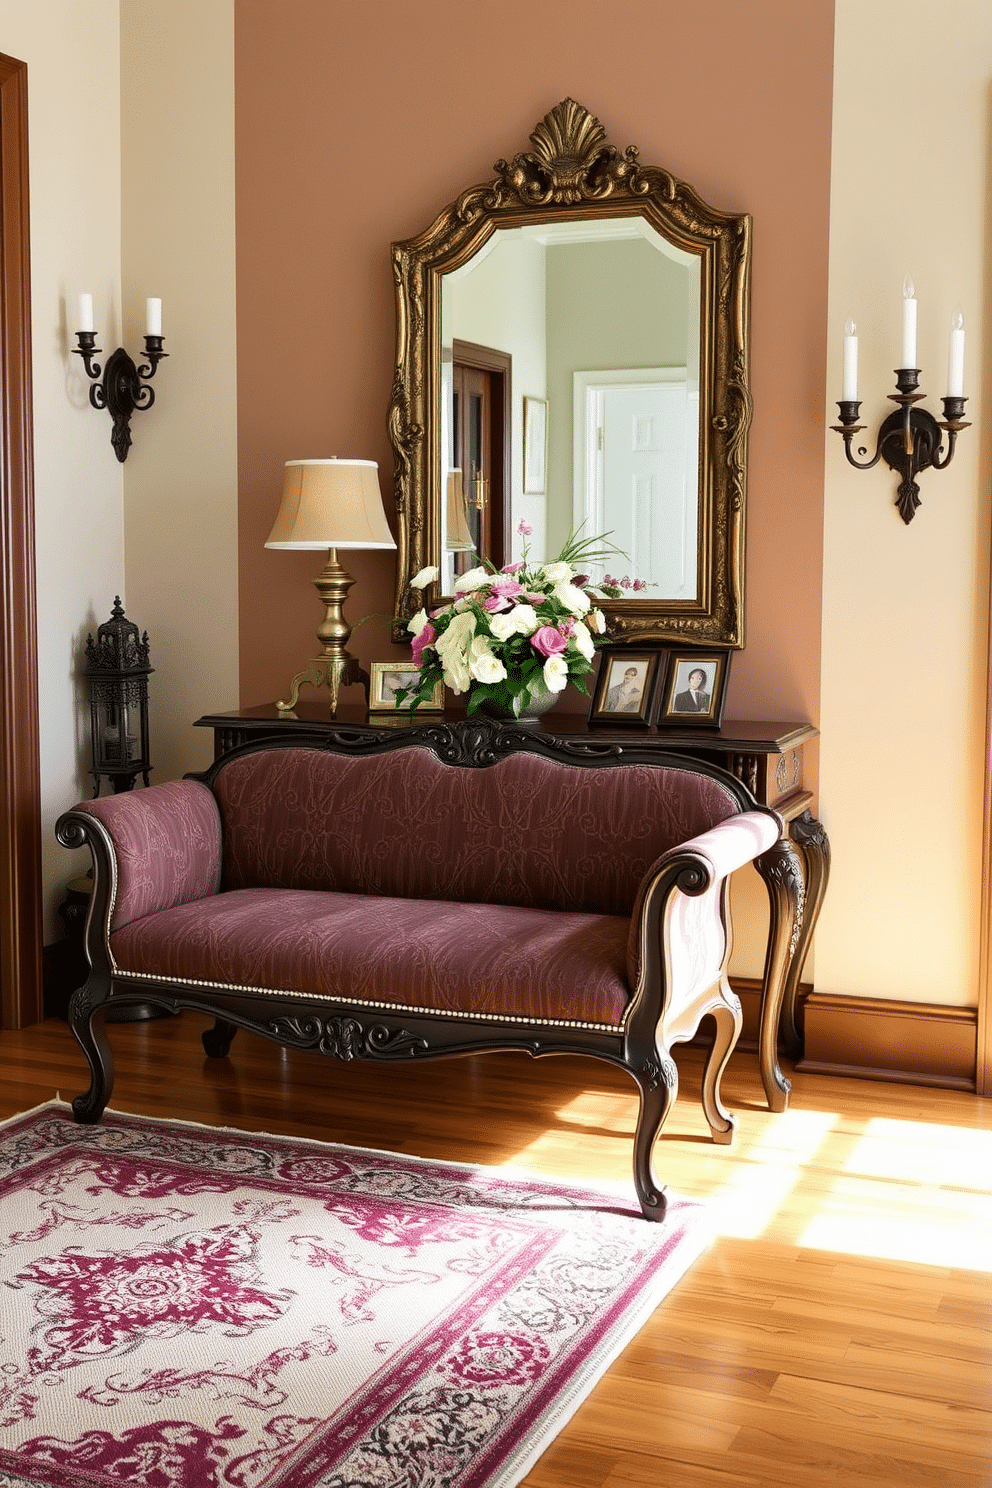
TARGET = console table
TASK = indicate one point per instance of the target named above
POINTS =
(767, 757)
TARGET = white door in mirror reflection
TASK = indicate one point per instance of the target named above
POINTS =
(639, 477)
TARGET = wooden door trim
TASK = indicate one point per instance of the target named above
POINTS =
(983, 1069)
(487, 359)
(20, 785)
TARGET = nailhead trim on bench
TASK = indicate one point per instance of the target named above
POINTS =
(386, 1007)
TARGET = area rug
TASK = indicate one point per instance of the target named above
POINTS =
(190, 1307)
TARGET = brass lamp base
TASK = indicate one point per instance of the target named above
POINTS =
(335, 667)
(334, 672)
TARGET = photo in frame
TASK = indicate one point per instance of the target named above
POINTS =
(386, 678)
(695, 689)
(626, 686)
(535, 446)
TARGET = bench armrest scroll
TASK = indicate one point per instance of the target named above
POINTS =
(161, 847)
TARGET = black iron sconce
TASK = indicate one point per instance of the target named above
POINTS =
(120, 386)
(117, 673)
(910, 440)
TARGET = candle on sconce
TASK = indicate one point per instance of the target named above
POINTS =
(955, 359)
(153, 317)
(85, 313)
(850, 387)
(908, 323)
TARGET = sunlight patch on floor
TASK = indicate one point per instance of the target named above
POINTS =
(933, 1227)
(768, 1171)
(948, 1156)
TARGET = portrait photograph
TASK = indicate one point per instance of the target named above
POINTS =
(386, 678)
(625, 686)
(696, 688)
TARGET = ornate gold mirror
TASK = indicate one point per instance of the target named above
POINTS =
(572, 353)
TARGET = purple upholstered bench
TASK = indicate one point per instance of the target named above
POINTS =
(440, 890)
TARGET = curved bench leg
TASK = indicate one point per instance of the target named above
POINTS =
(728, 1019)
(782, 871)
(83, 1006)
(658, 1082)
(217, 1041)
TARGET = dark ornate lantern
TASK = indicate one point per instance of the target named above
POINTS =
(117, 673)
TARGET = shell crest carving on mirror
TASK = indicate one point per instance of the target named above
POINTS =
(571, 161)
(572, 173)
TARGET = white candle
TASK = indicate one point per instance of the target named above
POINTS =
(850, 388)
(153, 317)
(85, 313)
(955, 360)
(908, 324)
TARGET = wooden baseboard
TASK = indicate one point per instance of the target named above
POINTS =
(872, 1038)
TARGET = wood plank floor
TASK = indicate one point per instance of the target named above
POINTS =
(836, 1332)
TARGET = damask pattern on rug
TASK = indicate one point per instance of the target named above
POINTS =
(182, 1307)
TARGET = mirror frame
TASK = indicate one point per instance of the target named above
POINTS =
(573, 172)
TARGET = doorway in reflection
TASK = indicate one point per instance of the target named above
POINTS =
(477, 482)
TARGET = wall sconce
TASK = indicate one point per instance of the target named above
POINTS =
(911, 439)
(120, 386)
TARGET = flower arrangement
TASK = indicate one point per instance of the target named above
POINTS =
(511, 635)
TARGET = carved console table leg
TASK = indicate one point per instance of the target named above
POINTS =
(782, 870)
(810, 837)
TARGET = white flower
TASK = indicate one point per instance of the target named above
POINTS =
(452, 648)
(521, 620)
(424, 577)
(484, 666)
(583, 642)
(596, 622)
(574, 599)
(557, 573)
(418, 622)
(474, 579)
(555, 673)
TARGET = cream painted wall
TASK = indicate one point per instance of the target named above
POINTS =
(180, 481)
(72, 55)
(904, 608)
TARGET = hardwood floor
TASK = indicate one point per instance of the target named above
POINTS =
(836, 1332)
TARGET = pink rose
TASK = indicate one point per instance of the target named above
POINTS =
(510, 568)
(508, 588)
(427, 637)
(496, 602)
(535, 599)
(548, 641)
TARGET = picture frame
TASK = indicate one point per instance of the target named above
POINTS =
(685, 701)
(626, 685)
(535, 446)
(386, 676)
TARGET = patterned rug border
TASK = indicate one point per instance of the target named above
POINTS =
(688, 1229)
(618, 1191)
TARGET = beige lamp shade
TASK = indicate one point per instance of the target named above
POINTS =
(330, 504)
(459, 539)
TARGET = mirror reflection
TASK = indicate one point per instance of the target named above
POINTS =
(570, 399)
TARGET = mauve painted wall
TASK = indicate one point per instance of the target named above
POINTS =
(355, 124)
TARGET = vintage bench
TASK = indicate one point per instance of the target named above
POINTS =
(439, 890)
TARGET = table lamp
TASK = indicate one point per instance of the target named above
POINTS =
(330, 504)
